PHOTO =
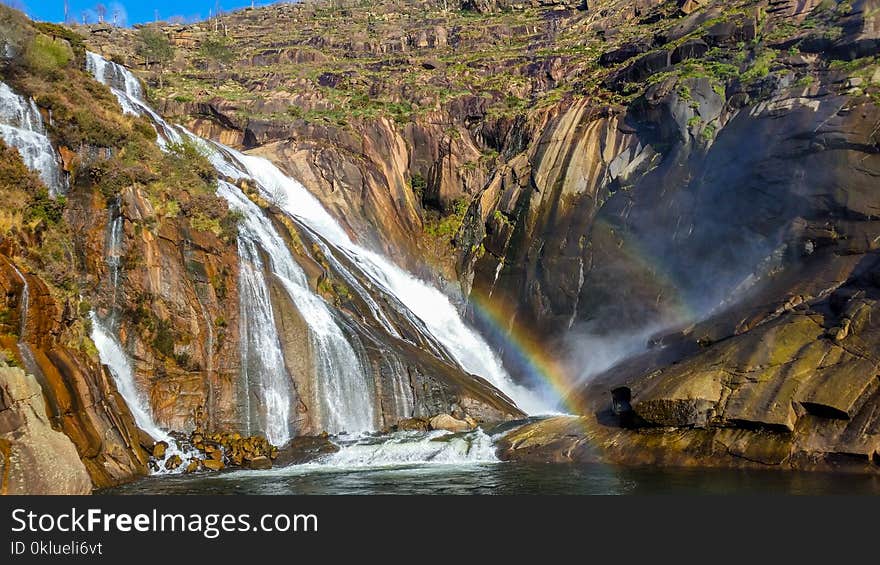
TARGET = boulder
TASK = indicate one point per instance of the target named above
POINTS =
(213, 464)
(173, 462)
(624, 53)
(146, 441)
(449, 423)
(259, 462)
(159, 449)
(413, 425)
(303, 449)
(692, 49)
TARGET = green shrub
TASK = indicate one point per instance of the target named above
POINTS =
(163, 340)
(42, 208)
(760, 67)
(46, 56)
(189, 158)
(202, 222)
(418, 184)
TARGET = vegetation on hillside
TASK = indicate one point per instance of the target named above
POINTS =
(105, 153)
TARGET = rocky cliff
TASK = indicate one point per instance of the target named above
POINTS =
(686, 185)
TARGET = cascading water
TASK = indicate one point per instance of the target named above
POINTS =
(346, 401)
(21, 126)
(430, 306)
(344, 395)
(114, 75)
(113, 253)
(111, 353)
(113, 356)
(25, 302)
(127, 89)
(404, 448)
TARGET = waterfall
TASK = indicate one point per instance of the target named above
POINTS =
(114, 357)
(113, 253)
(344, 394)
(21, 126)
(346, 399)
(114, 75)
(25, 303)
(111, 353)
(431, 307)
(127, 89)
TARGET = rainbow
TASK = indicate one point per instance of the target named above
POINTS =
(527, 353)
(524, 352)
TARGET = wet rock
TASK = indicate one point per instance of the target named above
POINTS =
(449, 423)
(213, 464)
(303, 449)
(259, 462)
(413, 424)
(173, 462)
(159, 449)
(192, 466)
(146, 441)
(34, 458)
(551, 440)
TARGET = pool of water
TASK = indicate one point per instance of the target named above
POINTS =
(502, 478)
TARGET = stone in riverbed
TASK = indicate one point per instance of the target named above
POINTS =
(159, 449)
(303, 449)
(213, 464)
(146, 441)
(192, 467)
(260, 462)
(173, 462)
(413, 425)
(448, 423)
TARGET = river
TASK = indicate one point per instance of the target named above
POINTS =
(503, 478)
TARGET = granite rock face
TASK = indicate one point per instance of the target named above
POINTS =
(34, 458)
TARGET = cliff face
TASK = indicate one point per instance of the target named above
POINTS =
(36, 458)
(695, 176)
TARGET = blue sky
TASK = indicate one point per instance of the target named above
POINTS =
(127, 12)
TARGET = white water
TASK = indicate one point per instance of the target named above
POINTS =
(113, 75)
(113, 356)
(430, 305)
(25, 303)
(343, 390)
(127, 89)
(400, 449)
(113, 253)
(404, 448)
(21, 126)
(346, 398)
